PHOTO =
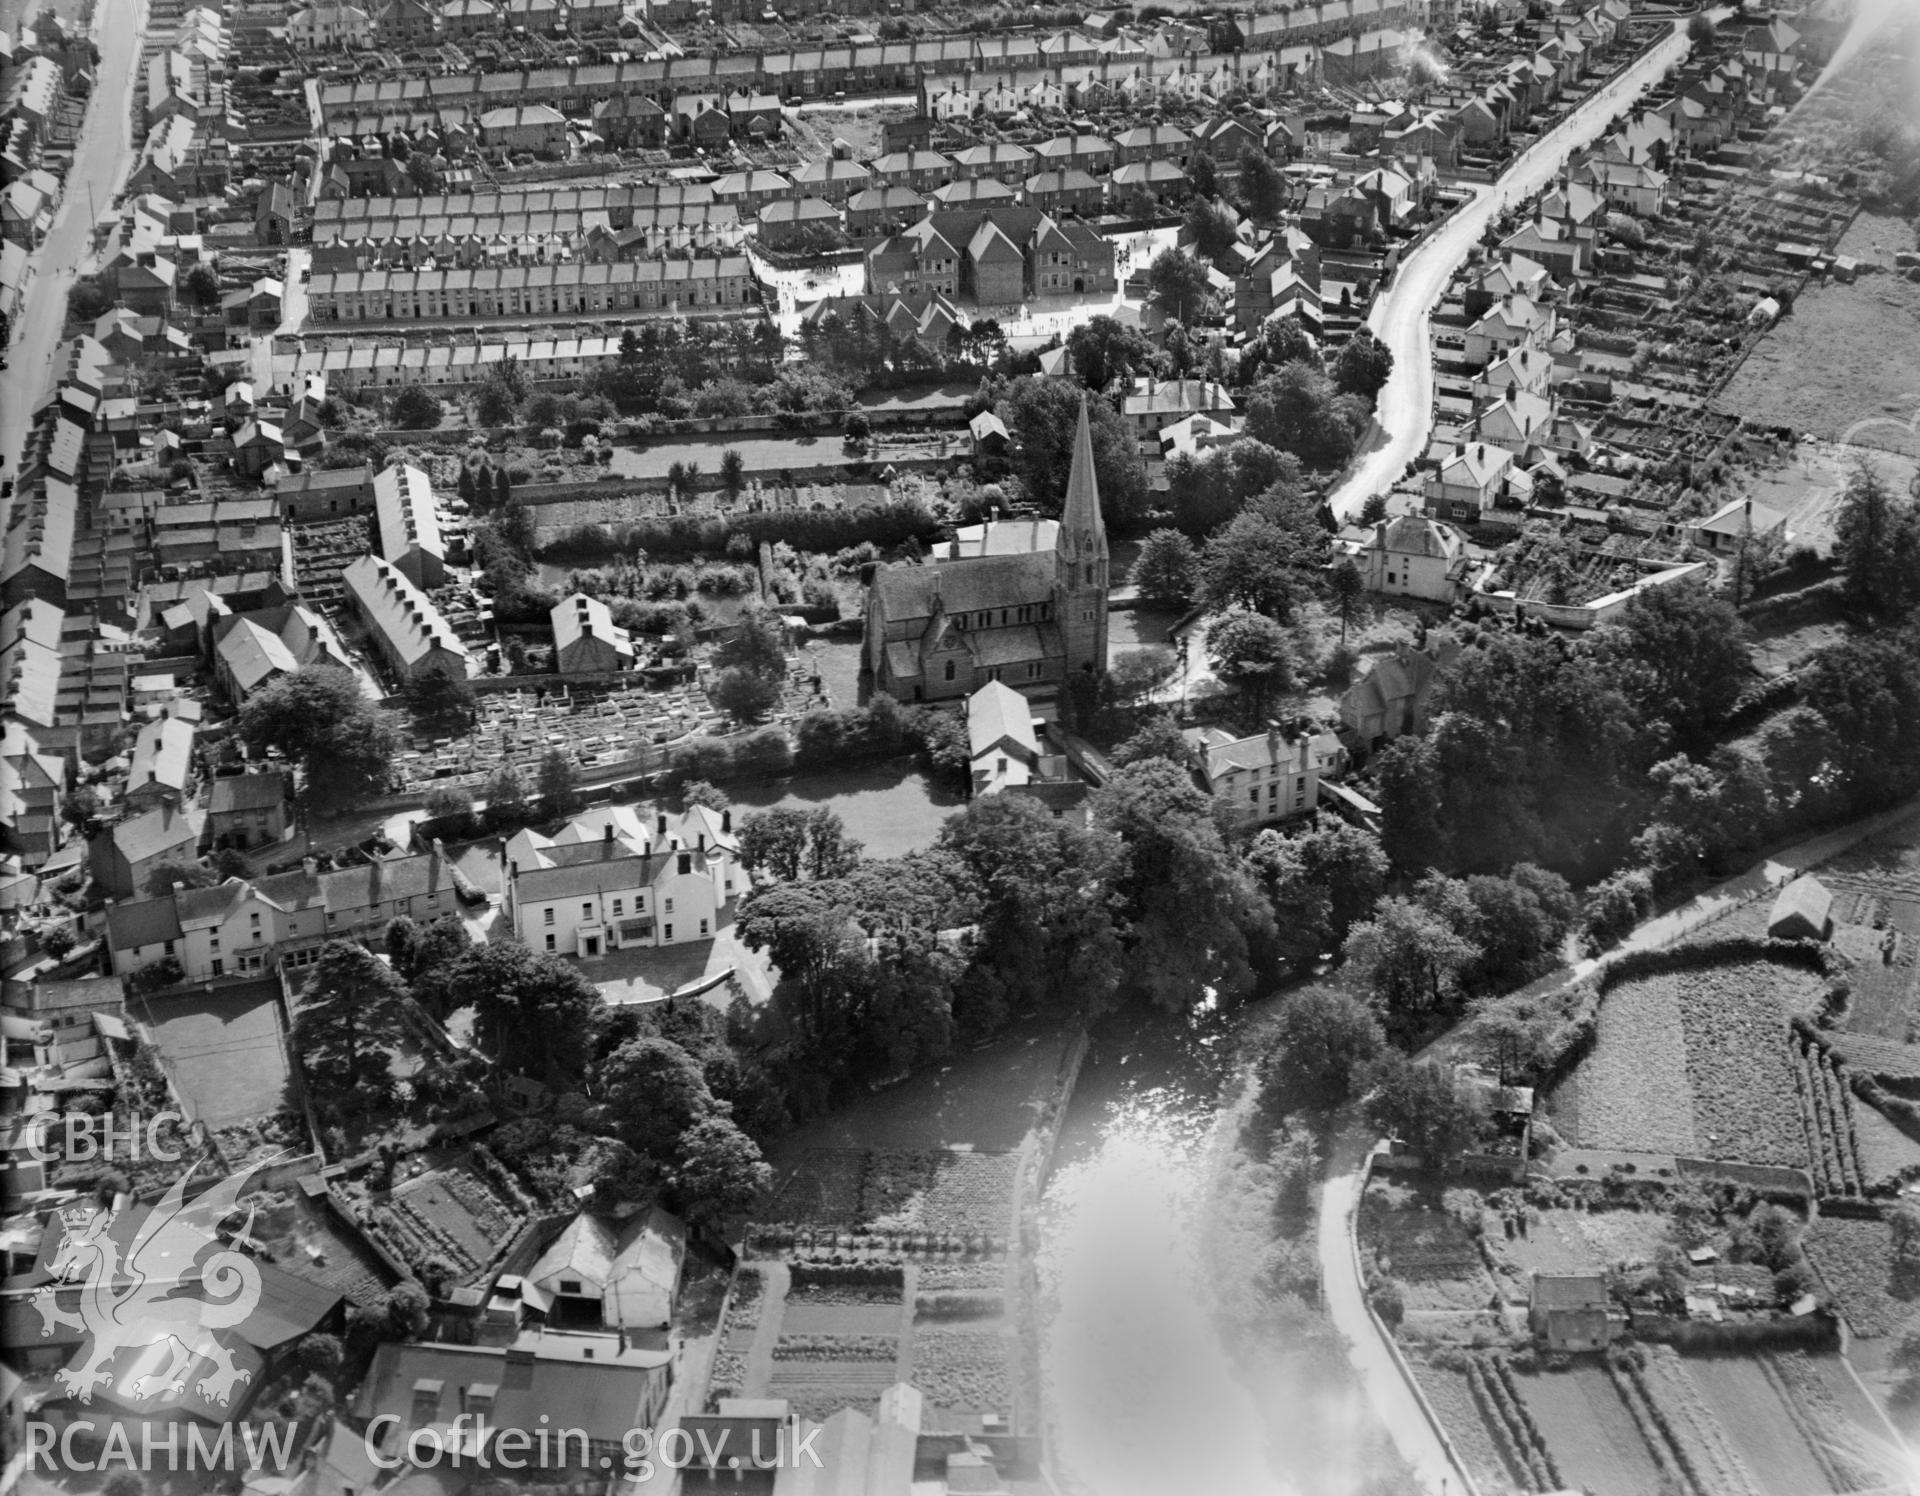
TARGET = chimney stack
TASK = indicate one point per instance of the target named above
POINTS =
(606, 833)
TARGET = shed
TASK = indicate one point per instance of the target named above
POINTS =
(1803, 911)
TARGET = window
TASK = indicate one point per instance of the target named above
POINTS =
(619, 907)
(219, 967)
(669, 908)
(213, 940)
(550, 942)
(548, 913)
(167, 948)
(570, 1285)
(586, 911)
(1254, 794)
(703, 927)
(666, 932)
(1033, 669)
(949, 675)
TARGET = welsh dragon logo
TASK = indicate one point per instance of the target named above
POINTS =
(133, 1301)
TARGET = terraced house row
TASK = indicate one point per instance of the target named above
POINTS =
(531, 290)
(896, 67)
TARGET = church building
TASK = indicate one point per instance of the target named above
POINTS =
(1023, 602)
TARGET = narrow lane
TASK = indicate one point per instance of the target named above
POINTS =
(102, 157)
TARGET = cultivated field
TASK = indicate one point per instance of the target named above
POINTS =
(1696, 1063)
(1857, 1263)
(1591, 1431)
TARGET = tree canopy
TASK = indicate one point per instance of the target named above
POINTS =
(318, 718)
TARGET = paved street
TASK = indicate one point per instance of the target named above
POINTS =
(1404, 415)
(102, 157)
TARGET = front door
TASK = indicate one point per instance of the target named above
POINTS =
(593, 945)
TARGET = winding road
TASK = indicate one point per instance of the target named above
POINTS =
(1404, 415)
(1403, 419)
(101, 158)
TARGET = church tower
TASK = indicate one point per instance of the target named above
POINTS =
(1080, 561)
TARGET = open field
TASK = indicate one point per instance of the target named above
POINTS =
(1845, 356)
(1807, 487)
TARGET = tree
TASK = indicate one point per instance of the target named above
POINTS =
(1295, 409)
(506, 796)
(559, 782)
(1279, 342)
(425, 175)
(493, 404)
(1179, 287)
(1345, 586)
(80, 809)
(1362, 366)
(1210, 489)
(733, 472)
(1409, 961)
(1322, 1040)
(163, 878)
(1253, 563)
(1262, 188)
(415, 409)
(654, 1092)
(756, 646)
(744, 695)
(1876, 541)
(1041, 416)
(1137, 674)
(203, 285)
(720, 1174)
(1320, 881)
(1213, 231)
(1421, 1106)
(775, 842)
(1107, 353)
(1158, 737)
(1679, 655)
(434, 696)
(1193, 924)
(1202, 176)
(317, 717)
(533, 1013)
(831, 853)
(350, 1015)
(432, 954)
(709, 796)
(1046, 935)
(1253, 656)
(1866, 692)
(1167, 571)
(407, 1309)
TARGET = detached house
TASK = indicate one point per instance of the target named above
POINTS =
(1413, 556)
(162, 767)
(1268, 778)
(1391, 698)
(1475, 478)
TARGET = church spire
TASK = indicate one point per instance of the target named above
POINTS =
(1083, 534)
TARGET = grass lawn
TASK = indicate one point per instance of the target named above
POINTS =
(1845, 356)
(226, 1051)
